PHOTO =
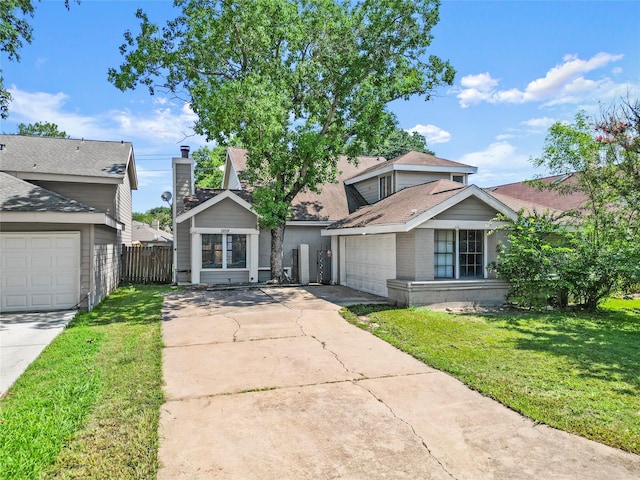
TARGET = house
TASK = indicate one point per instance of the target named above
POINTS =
(411, 229)
(65, 212)
(145, 235)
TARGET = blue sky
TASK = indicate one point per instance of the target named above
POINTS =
(520, 67)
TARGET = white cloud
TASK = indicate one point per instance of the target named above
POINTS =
(499, 163)
(161, 129)
(538, 124)
(431, 133)
(563, 83)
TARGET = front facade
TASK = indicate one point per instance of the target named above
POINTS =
(411, 229)
(65, 212)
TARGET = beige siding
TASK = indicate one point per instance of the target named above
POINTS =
(124, 208)
(414, 255)
(492, 247)
(85, 247)
(468, 209)
(182, 184)
(409, 179)
(97, 195)
(106, 259)
(294, 236)
(226, 214)
(182, 241)
(368, 189)
(224, 276)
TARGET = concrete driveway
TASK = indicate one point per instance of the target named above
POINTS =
(274, 384)
(22, 337)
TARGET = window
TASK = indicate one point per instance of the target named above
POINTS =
(464, 245)
(444, 253)
(458, 178)
(385, 187)
(224, 251)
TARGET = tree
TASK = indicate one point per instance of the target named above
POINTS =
(44, 129)
(296, 82)
(400, 142)
(207, 170)
(603, 157)
(14, 30)
(162, 214)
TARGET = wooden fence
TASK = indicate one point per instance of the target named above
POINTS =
(147, 264)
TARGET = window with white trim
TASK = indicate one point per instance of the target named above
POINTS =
(458, 254)
(457, 178)
(224, 251)
(386, 186)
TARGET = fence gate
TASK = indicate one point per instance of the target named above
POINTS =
(147, 264)
(324, 267)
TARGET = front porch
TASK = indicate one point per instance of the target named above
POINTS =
(454, 293)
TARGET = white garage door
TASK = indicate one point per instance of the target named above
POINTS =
(39, 271)
(370, 260)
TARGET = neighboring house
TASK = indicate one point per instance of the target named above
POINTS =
(65, 212)
(411, 229)
(152, 235)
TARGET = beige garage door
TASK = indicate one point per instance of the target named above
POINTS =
(39, 271)
(370, 261)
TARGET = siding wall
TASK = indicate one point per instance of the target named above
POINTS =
(181, 236)
(409, 179)
(414, 255)
(99, 195)
(222, 277)
(106, 260)
(124, 207)
(226, 214)
(85, 247)
(368, 189)
(469, 209)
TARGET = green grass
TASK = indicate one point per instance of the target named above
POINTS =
(89, 406)
(576, 371)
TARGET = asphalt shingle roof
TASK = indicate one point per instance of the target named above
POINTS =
(62, 156)
(19, 196)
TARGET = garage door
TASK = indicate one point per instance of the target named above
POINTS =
(39, 271)
(370, 260)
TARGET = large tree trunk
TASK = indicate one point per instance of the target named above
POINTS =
(277, 254)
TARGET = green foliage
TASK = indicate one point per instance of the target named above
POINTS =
(297, 83)
(14, 30)
(208, 163)
(533, 260)
(164, 216)
(398, 143)
(41, 129)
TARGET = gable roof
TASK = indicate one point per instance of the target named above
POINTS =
(23, 202)
(413, 161)
(335, 201)
(19, 196)
(414, 205)
(142, 232)
(547, 197)
(33, 157)
(209, 197)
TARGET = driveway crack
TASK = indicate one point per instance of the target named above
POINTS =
(395, 415)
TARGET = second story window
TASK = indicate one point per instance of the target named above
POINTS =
(458, 178)
(386, 186)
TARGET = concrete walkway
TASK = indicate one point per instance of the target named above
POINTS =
(274, 384)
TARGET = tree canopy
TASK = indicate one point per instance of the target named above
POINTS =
(41, 129)
(601, 254)
(297, 83)
(400, 142)
(162, 214)
(208, 166)
(14, 30)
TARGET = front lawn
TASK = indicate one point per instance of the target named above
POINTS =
(89, 406)
(575, 371)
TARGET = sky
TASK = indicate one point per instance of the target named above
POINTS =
(521, 66)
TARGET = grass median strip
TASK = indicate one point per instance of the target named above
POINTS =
(572, 370)
(88, 407)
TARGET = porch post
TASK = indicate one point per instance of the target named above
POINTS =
(196, 257)
(254, 255)
(334, 259)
